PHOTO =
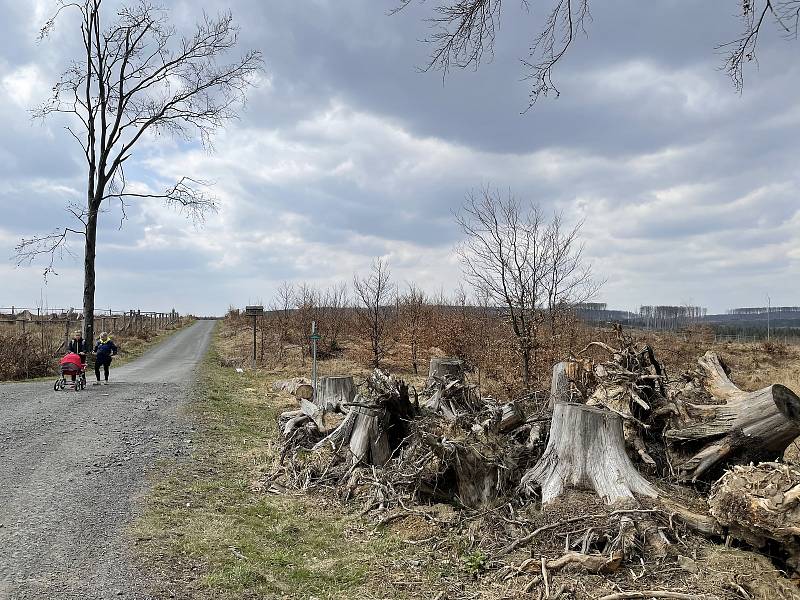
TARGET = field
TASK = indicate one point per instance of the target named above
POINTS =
(217, 527)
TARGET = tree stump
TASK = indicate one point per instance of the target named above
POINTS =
(559, 385)
(746, 426)
(446, 367)
(333, 392)
(377, 422)
(586, 450)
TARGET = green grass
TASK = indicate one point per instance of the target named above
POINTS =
(207, 526)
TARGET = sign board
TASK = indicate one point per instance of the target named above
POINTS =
(315, 336)
(254, 311)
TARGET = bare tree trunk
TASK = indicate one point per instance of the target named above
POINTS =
(89, 277)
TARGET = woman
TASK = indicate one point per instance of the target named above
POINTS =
(78, 345)
(104, 350)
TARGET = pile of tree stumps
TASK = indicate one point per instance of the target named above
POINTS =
(614, 426)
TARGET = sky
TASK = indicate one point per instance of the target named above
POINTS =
(346, 152)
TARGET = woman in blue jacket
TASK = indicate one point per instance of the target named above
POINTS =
(104, 350)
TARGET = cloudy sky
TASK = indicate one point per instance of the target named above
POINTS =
(346, 152)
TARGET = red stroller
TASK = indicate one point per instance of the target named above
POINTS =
(75, 369)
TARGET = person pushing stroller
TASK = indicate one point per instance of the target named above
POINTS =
(104, 350)
(79, 346)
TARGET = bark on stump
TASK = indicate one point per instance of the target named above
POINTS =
(586, 450)
(750, 426)
(334, 392)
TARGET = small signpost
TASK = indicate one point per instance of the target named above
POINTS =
(314, 338)
(255, 312)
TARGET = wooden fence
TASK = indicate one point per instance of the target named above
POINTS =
(59, 325)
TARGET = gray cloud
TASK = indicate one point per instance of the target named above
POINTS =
(346, 152)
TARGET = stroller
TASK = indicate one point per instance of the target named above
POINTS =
(71, 365)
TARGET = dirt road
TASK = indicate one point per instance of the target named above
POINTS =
(73, 467)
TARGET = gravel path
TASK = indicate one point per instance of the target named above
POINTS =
(73, 467)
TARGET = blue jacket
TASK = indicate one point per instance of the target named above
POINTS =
(105, 349)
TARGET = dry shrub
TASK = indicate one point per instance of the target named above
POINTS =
(22, 357)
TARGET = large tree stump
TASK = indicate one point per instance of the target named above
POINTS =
(448, 393)
(377, 422)
(745, 426)
(586, 450)
(334, 392)
(446, 367)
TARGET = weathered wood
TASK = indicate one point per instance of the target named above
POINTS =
(482, 470)
(377, 421)
(334, 392)
(592, 563)
(446, 367)
(760, 503)
(559, 385)
(749, 426)
(586, 450)
(701, 523)
(510, 416)
(452, 399)
(299, 387)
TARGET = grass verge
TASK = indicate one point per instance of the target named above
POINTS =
(208, 532)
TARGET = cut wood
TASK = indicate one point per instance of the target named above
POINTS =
(508, 416)
(333, 392)
(592, 563)
(586, 450)
(299, 387)
(452, 398)
(446, 367)
(746, 426)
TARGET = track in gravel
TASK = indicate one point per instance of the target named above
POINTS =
(74, 465)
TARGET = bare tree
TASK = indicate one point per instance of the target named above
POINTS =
(412, 308)
(569, 278)
(336, 305)
(464, 34)
(503, 255)
(306, 305)
(282, 309)
(532, 268)
(135, 76)
(374, 293)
